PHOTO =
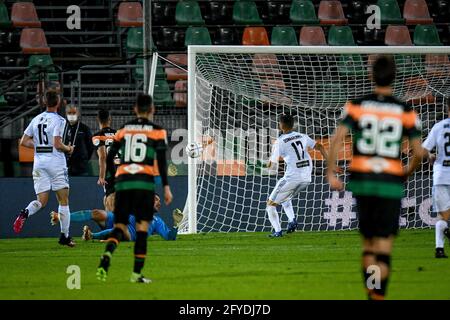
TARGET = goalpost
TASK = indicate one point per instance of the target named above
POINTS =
(235, 96)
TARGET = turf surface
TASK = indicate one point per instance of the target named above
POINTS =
(321, 265)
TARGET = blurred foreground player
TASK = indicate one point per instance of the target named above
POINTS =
(377, 177)
(439, 138)
(44, 134)
(102, 141)
(140, 140)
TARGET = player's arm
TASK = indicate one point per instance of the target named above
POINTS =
(27, 141)
(101, 152)
(335, 146)
(319, 147)
(417, 155)
(275, 156)
(60, 146)
(429, 144)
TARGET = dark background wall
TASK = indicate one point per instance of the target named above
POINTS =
(16, 193)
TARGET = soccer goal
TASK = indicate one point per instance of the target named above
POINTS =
(235, 96)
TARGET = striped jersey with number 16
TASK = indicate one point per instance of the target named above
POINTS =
(379, 124)
(138, 141)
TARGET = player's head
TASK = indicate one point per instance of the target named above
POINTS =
(144, 105)
(383, 71)
(157, 203)
(72, 113)
(103, 117)
(52, 99)
(286, 122)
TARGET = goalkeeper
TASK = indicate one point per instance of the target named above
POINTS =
(105, 220)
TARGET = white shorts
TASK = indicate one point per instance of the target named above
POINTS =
(46, 179)
(441, 198)
(286, 189)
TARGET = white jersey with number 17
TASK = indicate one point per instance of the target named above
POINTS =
(43, 128)
(439, 137)
(293, 148)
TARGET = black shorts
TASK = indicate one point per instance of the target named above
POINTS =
(378, 217)
(136, 202)
(109, 187)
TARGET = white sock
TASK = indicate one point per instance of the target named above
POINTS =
(64, 219)
(33, 207)
(289, 209)
(273, 217)
(441, 225)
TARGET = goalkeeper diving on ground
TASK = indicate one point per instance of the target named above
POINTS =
(105, 220)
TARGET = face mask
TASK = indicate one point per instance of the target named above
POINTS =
(72, 117)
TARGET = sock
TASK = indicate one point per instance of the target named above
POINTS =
(102, 235)
(273, 217)
(33, 207)
(379, 293)
(81, 216)
(64, 219)
(140, 251)
(366, 274)
(441, 225)
(115, 237)
(287, 206)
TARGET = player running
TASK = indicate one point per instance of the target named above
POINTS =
(141, 140)
(45, 134)
(378, 123)
(102, 141)
(293, 148)
(439, 138)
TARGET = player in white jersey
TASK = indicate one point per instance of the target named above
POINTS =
(293, 148)
(44, 134)
(439, 138)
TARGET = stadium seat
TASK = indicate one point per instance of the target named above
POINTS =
(187, 13)
(416, 12)
(356, 12)
(135, 39)
(33, 41)
(163, 13)
(37, 62)
(372, 37)
(218, 12)
(139, 71)
(255, 36)
(397, 36)
(437, 65)
(23, 14)
(178, 58)
(276, 12)
(331, 12)
(390, 12)
(283, 36)
(3, 101)
(266, 66)
(180, 94)
(161, 94)
(312, 36)
(197, 36)
(426, 35)
(225, 36)
(440, 10)
(303, 12)
(130, 15)
(4, 16)
(171, 39)
(174, 73)
(340, 36)
(246, 13)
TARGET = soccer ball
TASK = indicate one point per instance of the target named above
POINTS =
(194, 150)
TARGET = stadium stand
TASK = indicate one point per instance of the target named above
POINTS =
(36, 45)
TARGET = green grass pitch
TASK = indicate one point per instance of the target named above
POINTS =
(304, 265)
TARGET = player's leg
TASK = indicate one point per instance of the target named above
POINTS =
(289, 209)
(441, 204)
(123, 207)
(62, 196)
(144, 207)
(109, 201)
(42, 187)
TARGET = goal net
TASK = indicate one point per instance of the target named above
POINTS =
(235, 97)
